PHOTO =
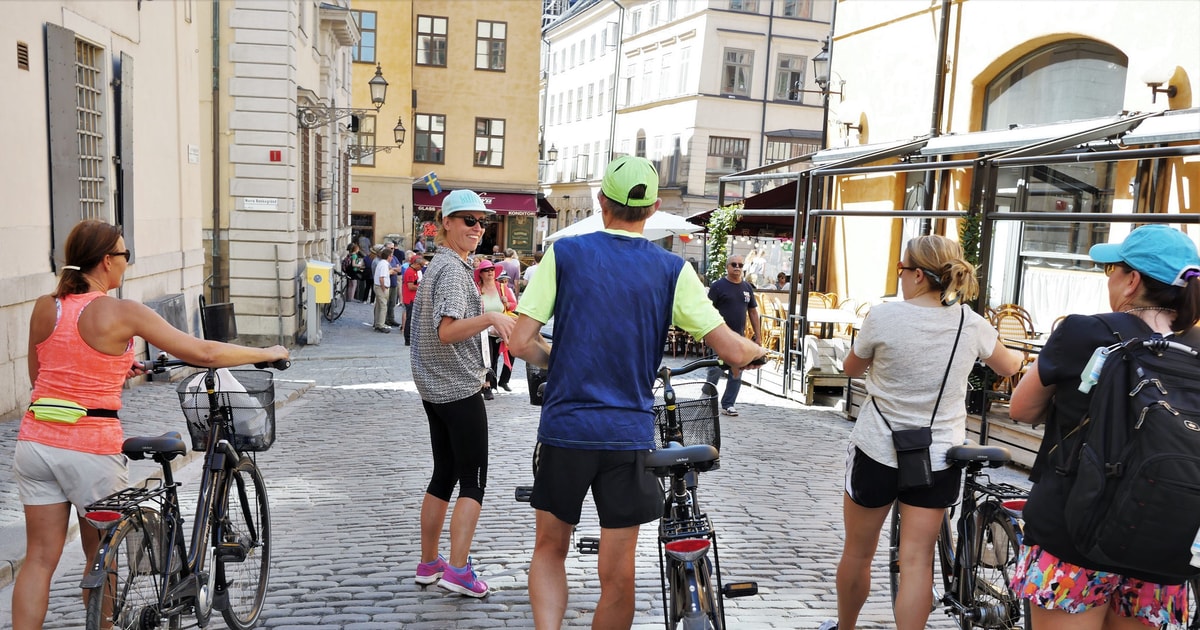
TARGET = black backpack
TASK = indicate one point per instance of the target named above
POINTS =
(1132, 466)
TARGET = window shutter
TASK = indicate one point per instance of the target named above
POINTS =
(64, 150)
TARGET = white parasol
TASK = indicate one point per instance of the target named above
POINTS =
(659, 225)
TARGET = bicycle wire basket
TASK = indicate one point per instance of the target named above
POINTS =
(245, 396)
(698, 418)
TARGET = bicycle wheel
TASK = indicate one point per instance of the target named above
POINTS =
(991, 603)
(128, 596)
(945, 558)
(334, 308)
(243, 542)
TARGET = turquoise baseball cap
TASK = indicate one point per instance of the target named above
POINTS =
(463, 200)
(1159, 251)
(625, 175)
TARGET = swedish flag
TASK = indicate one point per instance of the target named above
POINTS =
(431, 183)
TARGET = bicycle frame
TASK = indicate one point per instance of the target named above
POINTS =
(193, 586)
(961, 585)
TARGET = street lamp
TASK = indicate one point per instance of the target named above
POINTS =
(313, 117)
(359, 151)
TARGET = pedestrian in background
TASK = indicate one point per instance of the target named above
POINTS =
(447, 367)
(511, 265)
(734, 299)
(412, 280)
(381, 272)
(1152, 280)
(352, 264)
(597, 424)
(394, 256)
(81, 350)
(919, 352)
(496, 299)
(531, 269)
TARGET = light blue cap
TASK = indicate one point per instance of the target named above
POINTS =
(462, 200)
(1159, 251)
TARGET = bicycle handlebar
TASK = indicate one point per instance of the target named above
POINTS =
(160, 364)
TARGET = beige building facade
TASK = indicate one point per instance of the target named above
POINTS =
(466, 95)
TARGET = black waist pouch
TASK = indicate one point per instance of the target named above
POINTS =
(912, 458)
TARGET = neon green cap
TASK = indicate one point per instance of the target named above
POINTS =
(627, 173)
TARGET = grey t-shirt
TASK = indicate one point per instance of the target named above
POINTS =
(910, 346)
(445, 373)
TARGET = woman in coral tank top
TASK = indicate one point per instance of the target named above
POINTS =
(81, 350)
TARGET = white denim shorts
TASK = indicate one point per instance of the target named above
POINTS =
(47, 475)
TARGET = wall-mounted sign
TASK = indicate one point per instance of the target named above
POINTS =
(260, 203)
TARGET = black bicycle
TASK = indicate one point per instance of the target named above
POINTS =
(978, 557)
(145, 572)
(337, 303)
(689, 438)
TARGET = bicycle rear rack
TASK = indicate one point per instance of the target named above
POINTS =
(696, 527)
(124, 500)
(1002, 491)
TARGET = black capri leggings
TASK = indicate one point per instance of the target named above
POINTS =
(458, 433)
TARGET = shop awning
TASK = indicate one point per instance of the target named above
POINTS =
(544, 209)
(501, 203)
(1174, 126)
(1001, 139)
(883, 149)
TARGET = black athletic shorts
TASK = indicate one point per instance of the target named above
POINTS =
(871, 484)
(625, 493)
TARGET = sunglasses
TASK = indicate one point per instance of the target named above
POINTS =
(471, 221)
(127, 254)
(736, 265)
(1109, 268)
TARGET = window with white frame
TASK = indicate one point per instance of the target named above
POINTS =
(591, 99)
(725, 157)
(91, 128)
(489, 142)
(664, 75)
(745, 6)
(789, 78)
(798, 9)
(635, 22)
(579, 104)
(429, 143)
(491, 45)
(432, 40)
(735, 77)
(683, 70)
(629, 71)
(647, 80)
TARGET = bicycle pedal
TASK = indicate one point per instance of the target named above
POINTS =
(739, 589)
(231, 552)
(523, 494)
(588, 545)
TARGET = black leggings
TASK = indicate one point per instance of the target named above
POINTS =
(458, 433)
(503, 372)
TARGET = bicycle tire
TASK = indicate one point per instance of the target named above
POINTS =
(243, 539)
(945, 558)
(333, 310)
(992, 604)
(129, 597)
(698, 621)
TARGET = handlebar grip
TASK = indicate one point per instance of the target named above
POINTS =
(281, 364)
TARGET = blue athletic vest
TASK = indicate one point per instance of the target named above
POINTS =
(612, 309)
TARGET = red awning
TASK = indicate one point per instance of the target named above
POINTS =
(501, 203)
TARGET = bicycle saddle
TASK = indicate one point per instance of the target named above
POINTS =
(677, 455)
(168, 444)
(994, 456)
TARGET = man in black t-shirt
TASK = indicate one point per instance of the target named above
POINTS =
(734, 299)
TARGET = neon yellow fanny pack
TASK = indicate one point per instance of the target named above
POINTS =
(65, 411)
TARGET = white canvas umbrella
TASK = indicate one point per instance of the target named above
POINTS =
(659, 225)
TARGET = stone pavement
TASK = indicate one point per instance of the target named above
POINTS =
(348, 471)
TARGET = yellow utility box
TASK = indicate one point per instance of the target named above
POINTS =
(320, 280)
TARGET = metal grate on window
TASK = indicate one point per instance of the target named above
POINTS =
(89, 104)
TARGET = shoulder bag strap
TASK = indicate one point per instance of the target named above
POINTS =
(962, 315)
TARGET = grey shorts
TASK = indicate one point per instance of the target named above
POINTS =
(47, 475)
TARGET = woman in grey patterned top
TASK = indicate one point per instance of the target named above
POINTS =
(448, 369)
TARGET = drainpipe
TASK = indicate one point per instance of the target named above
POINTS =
(218, 283)
(762, 125)
(612, 124)
(939, 94)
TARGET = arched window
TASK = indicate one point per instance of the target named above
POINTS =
(1069, 80)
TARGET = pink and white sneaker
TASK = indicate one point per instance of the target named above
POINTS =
(430, 572)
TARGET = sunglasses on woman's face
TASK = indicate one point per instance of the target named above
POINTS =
(125, 253)
(471, 221)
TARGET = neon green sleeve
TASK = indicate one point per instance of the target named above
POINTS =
(537, 300)
(693, 311)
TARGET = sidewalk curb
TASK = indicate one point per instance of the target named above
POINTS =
(12, 537)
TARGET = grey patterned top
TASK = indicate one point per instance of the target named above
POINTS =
(446, 373)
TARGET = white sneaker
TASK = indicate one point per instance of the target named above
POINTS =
(729, 411)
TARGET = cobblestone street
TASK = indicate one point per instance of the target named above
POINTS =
(348, 470)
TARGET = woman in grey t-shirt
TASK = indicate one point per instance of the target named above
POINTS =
(908, 346)
(448, 370)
